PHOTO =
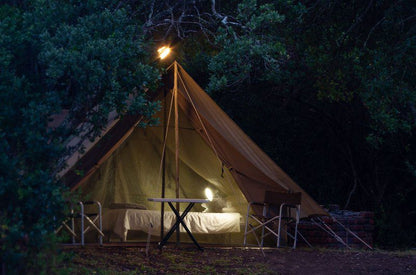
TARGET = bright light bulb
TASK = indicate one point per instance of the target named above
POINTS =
(209, 194)
(163, 52)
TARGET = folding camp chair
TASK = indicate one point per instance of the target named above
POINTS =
(92, 219)
(279, 211)
(69, 228)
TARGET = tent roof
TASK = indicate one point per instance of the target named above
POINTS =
(252, 169)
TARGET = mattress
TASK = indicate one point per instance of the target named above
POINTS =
(120, 221)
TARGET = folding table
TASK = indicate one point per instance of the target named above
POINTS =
(180, 217)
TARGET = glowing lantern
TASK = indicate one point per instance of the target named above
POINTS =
(164, 52)
(209, 194)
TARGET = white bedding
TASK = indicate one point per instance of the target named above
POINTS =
(120, 221)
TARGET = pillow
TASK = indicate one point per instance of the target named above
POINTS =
(125, 205)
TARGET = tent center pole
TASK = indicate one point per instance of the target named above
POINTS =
(162, 233)
(175, 94)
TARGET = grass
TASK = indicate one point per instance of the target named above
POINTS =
(133, 260)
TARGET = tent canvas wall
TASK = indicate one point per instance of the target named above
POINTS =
(124, 165)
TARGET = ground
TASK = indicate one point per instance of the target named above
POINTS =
(188, 260)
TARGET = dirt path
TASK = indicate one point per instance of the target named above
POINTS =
(132, 260)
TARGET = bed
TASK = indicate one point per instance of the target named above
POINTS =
(120, 221)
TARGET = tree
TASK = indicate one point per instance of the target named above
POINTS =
(83, 58)
(339, 107)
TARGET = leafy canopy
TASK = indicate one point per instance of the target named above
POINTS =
(79, 58)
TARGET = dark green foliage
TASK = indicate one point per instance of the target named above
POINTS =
(336, 110)
(82, 56)
(250, 53)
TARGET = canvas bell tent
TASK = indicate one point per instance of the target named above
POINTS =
(195, 146)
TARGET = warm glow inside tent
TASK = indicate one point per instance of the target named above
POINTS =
(125, 165)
